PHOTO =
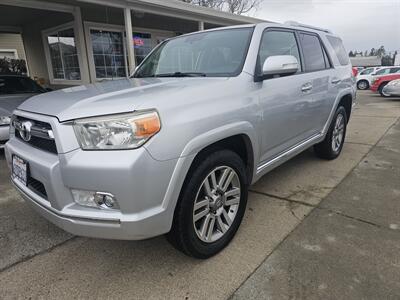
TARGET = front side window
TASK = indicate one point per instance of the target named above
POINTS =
(108, 53)
(215, 53)
(367, 71)
(314, 57)
(63, 55)
(277, 43)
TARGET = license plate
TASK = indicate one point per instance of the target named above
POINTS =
(19, 169)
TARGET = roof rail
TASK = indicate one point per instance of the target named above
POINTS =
(297, 24)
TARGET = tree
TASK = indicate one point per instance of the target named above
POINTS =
(381, 52)
(372, 52)
(351, 54)
(241, 6)
(234, 6)
(366, 53)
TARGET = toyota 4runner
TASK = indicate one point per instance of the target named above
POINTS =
(173, 149)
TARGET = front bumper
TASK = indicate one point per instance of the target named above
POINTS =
(143, 187)
(4, 135)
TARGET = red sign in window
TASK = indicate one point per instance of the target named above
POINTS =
(137, 41)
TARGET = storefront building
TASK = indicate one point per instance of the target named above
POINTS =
(81, 41)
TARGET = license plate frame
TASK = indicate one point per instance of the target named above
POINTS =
(20, 168)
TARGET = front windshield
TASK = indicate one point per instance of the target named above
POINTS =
(213, 53)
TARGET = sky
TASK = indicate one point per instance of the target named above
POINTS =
(362, 24)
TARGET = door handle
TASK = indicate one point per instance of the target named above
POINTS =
(306, 87)
(336, 81)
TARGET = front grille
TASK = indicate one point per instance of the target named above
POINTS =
(39, 135)
(37, 187)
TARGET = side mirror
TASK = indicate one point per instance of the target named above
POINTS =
(280, 65)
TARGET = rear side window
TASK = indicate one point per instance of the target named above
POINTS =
(383, 72)
(339, 49)
(394, 70)
(314, 56)
(278, 43)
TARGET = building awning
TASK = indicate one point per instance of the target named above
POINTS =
(179, 9)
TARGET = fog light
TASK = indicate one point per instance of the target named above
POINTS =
(95, 199)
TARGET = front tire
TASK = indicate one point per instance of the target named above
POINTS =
(363, 85)
(211, 205)
(331, 147)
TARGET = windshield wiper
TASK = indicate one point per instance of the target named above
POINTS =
(182, 74)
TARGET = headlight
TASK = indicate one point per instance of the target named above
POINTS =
(4, 120)
(116, 132)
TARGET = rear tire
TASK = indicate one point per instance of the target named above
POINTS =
(363, 85)
(206, 218)
(331, 147)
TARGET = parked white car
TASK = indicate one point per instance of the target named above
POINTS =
(364, 78)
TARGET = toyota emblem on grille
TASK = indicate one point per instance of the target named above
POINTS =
(24, 129)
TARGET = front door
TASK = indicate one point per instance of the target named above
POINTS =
(284, 101)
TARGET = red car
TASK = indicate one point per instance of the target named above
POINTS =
(379, 83)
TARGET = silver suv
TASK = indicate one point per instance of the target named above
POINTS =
(173, 149)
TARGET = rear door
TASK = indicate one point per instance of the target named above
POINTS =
(323, 78)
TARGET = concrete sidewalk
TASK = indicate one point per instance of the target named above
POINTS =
(349, 246)
(38, 260)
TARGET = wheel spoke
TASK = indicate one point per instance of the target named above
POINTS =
(233, 192)
(200, 204)
(200, 215)
(232, 201)
(220, 224)
(214, 184)
(204, 227)
(223, 178)
(207, 188)
(226, 179)
(210, 228)
(226, 217)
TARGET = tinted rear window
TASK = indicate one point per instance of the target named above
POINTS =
(339, 49)
(314, 58)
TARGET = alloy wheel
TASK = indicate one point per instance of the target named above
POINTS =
(338, 133)
(216, 204)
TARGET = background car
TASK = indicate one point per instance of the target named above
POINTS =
(14, 89)
(364, 78)
(380, 82)
(385, 71)
(392, 88)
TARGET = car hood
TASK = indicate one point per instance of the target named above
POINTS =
(9, 102)
(108, 97)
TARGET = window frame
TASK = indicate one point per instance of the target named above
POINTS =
(106, 27)
(49, 66)
(258, 68)
(11, 51)
(323, 48)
